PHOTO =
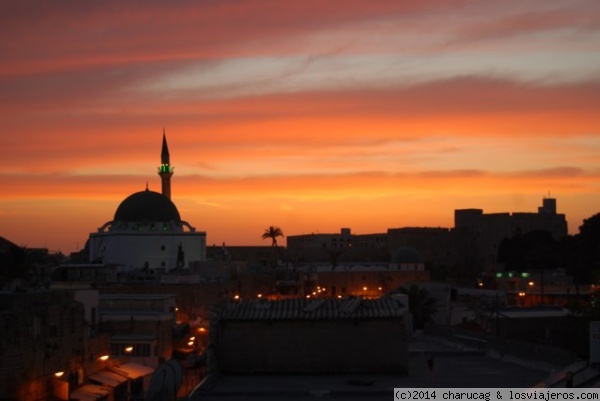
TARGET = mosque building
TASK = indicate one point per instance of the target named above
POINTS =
(147, 232)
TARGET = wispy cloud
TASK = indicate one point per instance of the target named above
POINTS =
(288, 107)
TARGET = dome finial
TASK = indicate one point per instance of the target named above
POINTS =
(146, 185)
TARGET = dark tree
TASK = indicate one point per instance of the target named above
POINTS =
(580, 253)
(420, 304)
(272, 232)
(590, 229)
(589, 235)
(511, 252)
(535, 249)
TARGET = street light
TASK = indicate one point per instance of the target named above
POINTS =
(104, 358)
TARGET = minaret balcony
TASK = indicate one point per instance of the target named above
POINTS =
(165, 168)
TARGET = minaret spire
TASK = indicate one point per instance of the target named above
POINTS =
(165, 171)
(164, 155)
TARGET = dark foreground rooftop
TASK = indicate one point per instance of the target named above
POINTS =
(452, 367)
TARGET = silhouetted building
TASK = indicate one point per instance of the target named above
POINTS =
(311, 336)
(254, 255)
(479, 235)
(435, 245)
(338, 247)
(147, 232)
(365, 281)
(474, 240)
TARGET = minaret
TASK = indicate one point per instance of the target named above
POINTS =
(165, 171)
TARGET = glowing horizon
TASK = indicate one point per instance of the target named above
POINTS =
(303, 115)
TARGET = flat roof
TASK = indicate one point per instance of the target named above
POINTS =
(136, 296)
(454, 367)
(132, 370)
(89, 392)
(108, 378)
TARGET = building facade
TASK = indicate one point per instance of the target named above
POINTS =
(478, 235)
(337, 247)
(43, 341)
(311, 336)
(140, 326)
(474, 240)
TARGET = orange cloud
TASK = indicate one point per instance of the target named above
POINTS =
(306, 115)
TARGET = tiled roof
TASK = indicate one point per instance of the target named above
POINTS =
(309, 309)
(136, 297)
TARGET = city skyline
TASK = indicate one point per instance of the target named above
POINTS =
(302, 115)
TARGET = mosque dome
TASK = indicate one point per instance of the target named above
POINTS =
(406, 254)
(147, 205)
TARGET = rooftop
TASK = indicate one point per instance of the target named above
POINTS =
(476, 371)
(136, 296)
(310, 309)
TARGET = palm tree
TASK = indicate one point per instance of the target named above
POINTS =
(273, 232)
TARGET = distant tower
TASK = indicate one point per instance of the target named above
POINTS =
(548, 206)
(165, 171)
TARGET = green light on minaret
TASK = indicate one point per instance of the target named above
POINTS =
(165, 168)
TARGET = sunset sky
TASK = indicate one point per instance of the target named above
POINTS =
(307, 115)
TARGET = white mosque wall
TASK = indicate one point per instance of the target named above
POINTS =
(152, 251)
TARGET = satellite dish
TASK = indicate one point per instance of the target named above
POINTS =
(165, 381)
